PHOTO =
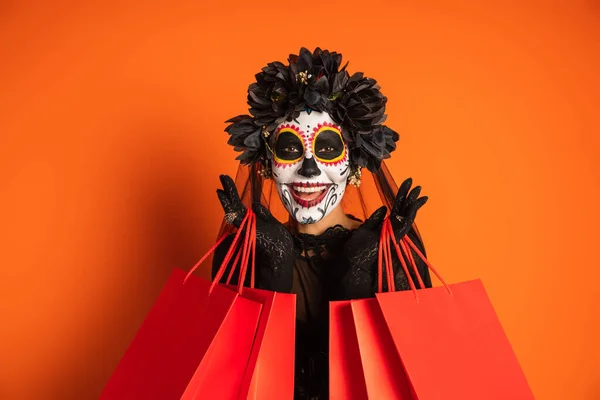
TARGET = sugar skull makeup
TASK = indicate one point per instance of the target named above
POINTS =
(310, 166)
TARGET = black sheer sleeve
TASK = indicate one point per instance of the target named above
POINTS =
(358, 269)
(267, 276)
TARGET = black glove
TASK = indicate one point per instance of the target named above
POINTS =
(359, 257)
(405, 208)
(275, 249)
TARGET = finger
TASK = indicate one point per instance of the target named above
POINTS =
(420, 202)
(409, 201)
(225, 201)
(413, 195)
(403, 190)
(375, 220)
(401, 195)
(230, 189)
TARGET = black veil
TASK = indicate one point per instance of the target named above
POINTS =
(376, 189)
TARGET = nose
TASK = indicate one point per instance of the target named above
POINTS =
(309, 168)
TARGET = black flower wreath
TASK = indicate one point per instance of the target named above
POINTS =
(315, 81)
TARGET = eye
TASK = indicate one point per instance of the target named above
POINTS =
(328, 149)
(288, 147)
(328, 145)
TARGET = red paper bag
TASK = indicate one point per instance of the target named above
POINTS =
(436, 343)
(364, 363)
(196, 341)
(346, 377)
(382, 367)
(453, 345)
(270, 372)
(178, 333)
(450, 340)
(274, 345)
(271, 351)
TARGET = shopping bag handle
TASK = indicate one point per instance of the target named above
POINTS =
(248, 251)
(385, 259)
(404, 254)
(386, 235)
(249, 222)
(248, 246)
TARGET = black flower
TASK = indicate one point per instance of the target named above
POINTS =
(370, 149)
(317, 93)
(271, 97)
(245, 135)
(361, 106)
(315, 80)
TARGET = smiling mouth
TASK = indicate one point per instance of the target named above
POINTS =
(308, 194)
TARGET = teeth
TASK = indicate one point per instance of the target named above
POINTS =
(309, 189)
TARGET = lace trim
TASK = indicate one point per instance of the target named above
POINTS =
(335, 231)
(314, 246)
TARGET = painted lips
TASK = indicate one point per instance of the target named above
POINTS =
(309, 194)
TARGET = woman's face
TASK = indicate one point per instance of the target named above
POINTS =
(310, 166)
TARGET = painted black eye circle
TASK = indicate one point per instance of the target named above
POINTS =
(288, 146)
(328, 145)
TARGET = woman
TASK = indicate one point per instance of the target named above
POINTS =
(312, 129)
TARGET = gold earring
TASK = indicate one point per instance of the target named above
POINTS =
(354, 178)
(265, 171)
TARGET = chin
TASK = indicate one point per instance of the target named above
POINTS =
(308, 219)
(309, 215)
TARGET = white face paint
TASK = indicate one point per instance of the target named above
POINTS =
(310, 166)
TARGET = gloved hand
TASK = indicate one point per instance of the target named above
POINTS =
(275, 249)
(360, 254)
(405, 208)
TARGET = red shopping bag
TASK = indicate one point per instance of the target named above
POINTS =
(364, 363)
(270, 372)
(449, 340)
(382, 367)
(272, 348)
(346, 377)
(196, 326)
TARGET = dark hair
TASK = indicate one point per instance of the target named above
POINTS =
(315, 81)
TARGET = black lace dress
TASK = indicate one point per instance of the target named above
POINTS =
(317, 279)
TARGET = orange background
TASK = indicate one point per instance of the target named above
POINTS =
(112, 143)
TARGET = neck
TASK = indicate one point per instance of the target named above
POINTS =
(335, 217)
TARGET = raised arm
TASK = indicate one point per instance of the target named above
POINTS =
(358, 264)
(275, 248)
